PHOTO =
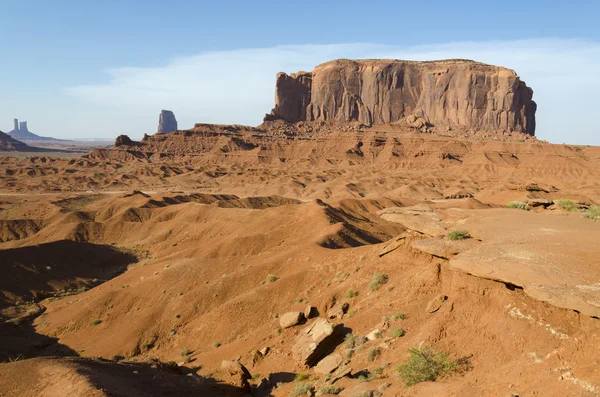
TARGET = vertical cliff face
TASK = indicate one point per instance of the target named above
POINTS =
(167, 122)
(452, 93)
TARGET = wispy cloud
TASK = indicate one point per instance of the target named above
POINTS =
(238, 86)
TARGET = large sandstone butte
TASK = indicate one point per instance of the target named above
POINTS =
(446, 93)
(166, 122)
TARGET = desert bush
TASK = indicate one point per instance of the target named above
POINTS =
(399, 316)
(329, 389)
(398, 332)
(567, 205)
(425, 365)
(351, 293)
(593, 212)
(519, 205)
(458, 235)
(377, 281)
(301, 390)
(271, 278)
(352, 341)
(216, 345)
(185, 352)
(301, 377)
(96, 321)
(373, 354)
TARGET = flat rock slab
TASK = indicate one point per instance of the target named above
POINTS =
(329, 364)
(419, 217)
(312, 341)
(443, 248)
(554, 257)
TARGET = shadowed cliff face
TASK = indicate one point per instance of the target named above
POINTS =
(452, 93)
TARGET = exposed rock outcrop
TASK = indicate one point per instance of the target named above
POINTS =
(167, 121)
(442, 93)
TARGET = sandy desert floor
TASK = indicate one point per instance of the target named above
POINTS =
(137, 271)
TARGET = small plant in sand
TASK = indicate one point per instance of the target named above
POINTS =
(303, 389)
(567, 205)
(593, 213)
(185, 352)
(329, 389)
(351, 293)
(458, 235)
(425, 365)
(373, 354)
(377, 281)
(96, 321)
(399, 316)
(518, 205)
(352, 341)
(271, 278)
(398, 332)
(216, 345)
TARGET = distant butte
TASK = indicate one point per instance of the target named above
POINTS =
(449, 93)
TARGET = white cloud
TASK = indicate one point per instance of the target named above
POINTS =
(238, 86)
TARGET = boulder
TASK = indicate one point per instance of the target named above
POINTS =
(236, 374)
(313, 341)
(451, 93)
(338, 310)
(329, 364)
(290, 319)
(309, 311)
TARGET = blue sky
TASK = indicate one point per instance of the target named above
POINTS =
(99, 69)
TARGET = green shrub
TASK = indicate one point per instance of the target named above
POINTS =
(96, 321)
(373, 354)
(329, 389)
(519, 205)
(458, 235)
(351, 293)
(399, 316)
(425, 365)
(271, 278)
(301, 390)
(398, 332)
(301, 377)
(352, 341)
(593, 212)
(377, 281)
(567, 205)
(216, 345)
(185, 352)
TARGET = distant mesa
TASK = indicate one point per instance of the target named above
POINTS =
(166, 122)
(449, 93)
(9, 144)
(22, 133)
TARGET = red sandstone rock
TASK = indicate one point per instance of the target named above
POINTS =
(449, 93)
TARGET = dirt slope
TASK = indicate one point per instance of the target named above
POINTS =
(227, 232)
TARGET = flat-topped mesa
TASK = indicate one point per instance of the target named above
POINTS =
(461, 93)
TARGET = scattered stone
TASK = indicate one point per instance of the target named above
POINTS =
(342, 371)
(329, 364)
(265, 350)
(309, 311)
(435, 304)
(338, 310)
(238, 375)
(539, 203)
(290, 319)
(312, 342)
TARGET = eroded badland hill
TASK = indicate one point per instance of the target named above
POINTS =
(382, 207)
